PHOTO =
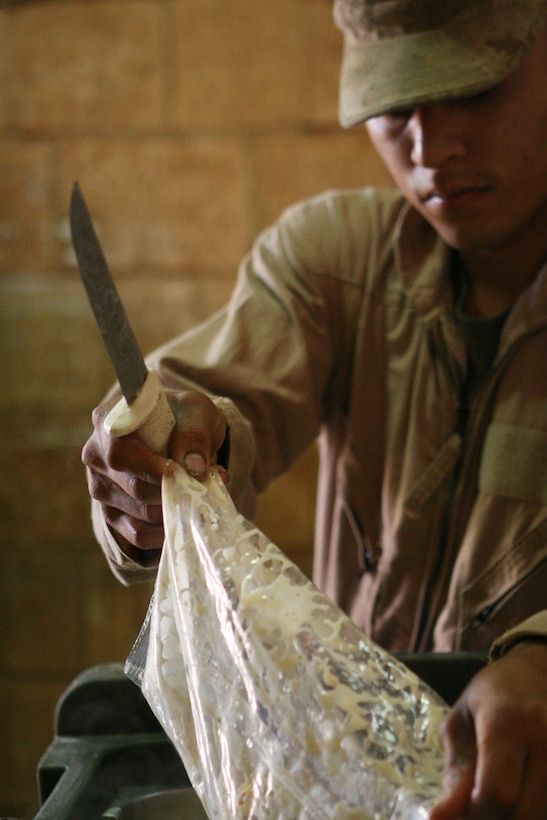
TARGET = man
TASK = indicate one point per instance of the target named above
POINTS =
(409, 333)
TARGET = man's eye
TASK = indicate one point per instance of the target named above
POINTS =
(390, 124)
(397, 117)
(484, 95)
(400, 114)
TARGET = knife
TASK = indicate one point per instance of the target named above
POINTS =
(144, 408)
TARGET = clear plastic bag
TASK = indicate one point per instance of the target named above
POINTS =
(279, 706)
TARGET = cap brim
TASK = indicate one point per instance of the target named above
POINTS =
(415, 69)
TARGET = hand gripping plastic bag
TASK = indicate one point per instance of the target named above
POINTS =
(279, 706)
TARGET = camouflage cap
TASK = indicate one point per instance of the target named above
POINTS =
(402, 53)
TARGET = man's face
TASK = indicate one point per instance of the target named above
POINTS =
(476, 168)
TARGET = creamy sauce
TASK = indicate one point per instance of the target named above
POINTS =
(280, 707)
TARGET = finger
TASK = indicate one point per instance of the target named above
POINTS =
(144, 558)
(194, 462)
(510, 780)
(126, 462)
(198, 435)
(459, 774)
(501, 763)
(127, 454)
(134, 532)
(223, 473)
(129, 494)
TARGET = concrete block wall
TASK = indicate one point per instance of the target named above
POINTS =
(190, 124)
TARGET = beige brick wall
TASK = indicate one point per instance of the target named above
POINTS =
(189, 124)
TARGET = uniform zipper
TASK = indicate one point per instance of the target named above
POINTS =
(368, 561)
(470, 425)
(437, 559)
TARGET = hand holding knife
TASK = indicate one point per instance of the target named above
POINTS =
(144, 408)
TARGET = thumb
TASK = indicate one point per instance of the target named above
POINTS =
(458, 738)
(199, 432)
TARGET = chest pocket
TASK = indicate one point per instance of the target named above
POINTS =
(514, 463)
(514, 467)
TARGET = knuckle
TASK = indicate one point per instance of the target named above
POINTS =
(196, 410)
(454, 724)
(113, 454)
(142, 534)
(90, 455)
(195, 398)
(198, 440)
(142, 492)
(100, 412)
(97, 486)
(87, 454)
(133, 487)
(151, 514)
(97, 416)
(112, 518)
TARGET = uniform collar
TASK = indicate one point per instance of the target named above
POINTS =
(424, 263)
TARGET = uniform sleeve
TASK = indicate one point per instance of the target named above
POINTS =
(534, 628)
(280, 352)
(267, 358)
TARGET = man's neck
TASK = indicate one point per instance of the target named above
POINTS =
(496, 280)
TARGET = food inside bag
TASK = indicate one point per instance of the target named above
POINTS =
(279, 706)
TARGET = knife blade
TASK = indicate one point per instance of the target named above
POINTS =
(106, 304)
(144, 408)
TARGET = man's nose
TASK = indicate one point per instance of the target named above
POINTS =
(437, 132)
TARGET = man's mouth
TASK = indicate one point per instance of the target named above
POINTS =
(446, 188)
(452, 196)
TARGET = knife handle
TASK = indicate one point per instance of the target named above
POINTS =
(149, 415)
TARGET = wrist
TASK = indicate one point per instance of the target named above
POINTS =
(532, 630)
(530, 649)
